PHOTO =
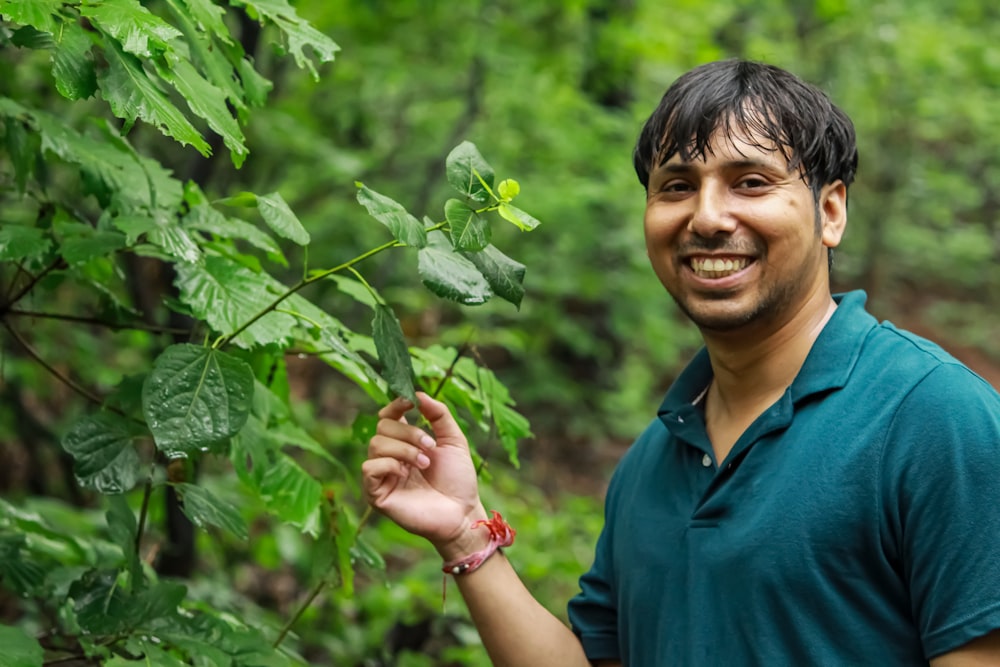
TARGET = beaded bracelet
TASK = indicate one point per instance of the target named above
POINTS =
(501, 535)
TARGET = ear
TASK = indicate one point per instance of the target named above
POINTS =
(832, 206)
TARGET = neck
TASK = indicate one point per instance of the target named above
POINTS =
(753, 368)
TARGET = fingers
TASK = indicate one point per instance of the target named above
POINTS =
(445, 427)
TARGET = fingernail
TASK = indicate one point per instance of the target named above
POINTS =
(427, 441)
(423, 461)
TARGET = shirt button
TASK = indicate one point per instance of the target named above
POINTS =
(706, 461)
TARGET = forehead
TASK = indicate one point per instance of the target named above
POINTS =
(728, 146)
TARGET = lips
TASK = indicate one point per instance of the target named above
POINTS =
(717, 267)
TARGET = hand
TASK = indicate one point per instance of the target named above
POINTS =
(426, 485)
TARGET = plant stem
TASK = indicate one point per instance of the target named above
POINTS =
(69, 382)
(137, 326)
(317, 589)
(224, 340)
(31, 284)
(143, 511)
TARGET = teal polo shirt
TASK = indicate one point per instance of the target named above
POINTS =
(855, 522)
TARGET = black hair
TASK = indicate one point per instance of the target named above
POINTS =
(745, 99)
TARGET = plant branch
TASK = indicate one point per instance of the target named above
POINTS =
(143, 511)
(313, 594)
(68, 381)
(31, 284)
(224, 340)
(137, 326)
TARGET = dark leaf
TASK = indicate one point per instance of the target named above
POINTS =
(450, 275)
(105, 458)
(464, 167)
(393, 353)
(404, 227)
(469, 230)
(206, 509)
(505, 276)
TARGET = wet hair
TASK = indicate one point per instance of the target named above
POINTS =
(745, 99)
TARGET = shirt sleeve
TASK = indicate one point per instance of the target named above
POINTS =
(593, 612)
(941, 474)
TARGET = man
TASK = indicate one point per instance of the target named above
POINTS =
(817, 488)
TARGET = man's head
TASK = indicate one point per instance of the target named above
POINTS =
(740, 99)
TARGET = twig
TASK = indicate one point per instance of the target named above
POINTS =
(137, 326)
(317, 589)
(31, 283)
(69, 382)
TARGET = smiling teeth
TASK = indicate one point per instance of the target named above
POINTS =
(718, 268)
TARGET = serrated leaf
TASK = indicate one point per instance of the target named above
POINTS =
(29, 37)
(227, 295)
(19, 243)
(206, 509)
(461, 168)
(292, 494)
(39, 13)
(204, 218)
(393, 353)
(23, 147)
(101, 606)
(209, 17)
(504, 275)
(20, 650)
(20, 571)
(298, 33)
(513, 214)
(280, 218)
(83, 247)
(72, 64)
(139, 30)
(123, 529)
(450, 275)
(469, 230)
(132, 95)
(196, 397)
(174, 240)
(255, 86)
(404, 227)
(104, 457)
(208, 102)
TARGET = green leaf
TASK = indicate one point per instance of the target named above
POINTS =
(281, 219)
(208, 102)
(139, 30)
(513, 214)
(20, 571)
(404, 227)
(298, 32)
(462, 166)
(204, 218)
(84, 244)
(18, 243)
(255, 86)
(123, 529)
(393, 353)
(38, 13)
(469, 230)
(292, 494)
(20, 650)
(72, 63)
(24, 147)
(104, 458)
(29, 38)
(101, 604)
(450, 275)
(205, 508)
(227, 295)
(504, 275)
(132, 95)
(508, 189)
(196, 397)
(354, 289)
(209, 17)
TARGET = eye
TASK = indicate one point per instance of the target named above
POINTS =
(676, 187)
(752, 183)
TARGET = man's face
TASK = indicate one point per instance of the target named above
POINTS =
(736, 238)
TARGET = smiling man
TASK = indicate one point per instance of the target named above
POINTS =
(817, 488)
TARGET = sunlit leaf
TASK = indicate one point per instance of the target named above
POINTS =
(132, 95)
(504, 275)
(196, 397)
(104, 456)
(469, 230)
(292, 494)
(404, 227)
(206, 509)
(138, 29)
(280, 217)
(39, 13)
(462, 166)
(513, 214)
(450, 275)
(298, 33)
(393, 352)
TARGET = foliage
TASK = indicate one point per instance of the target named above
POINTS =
(84, 210)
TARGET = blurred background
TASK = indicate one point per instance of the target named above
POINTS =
(554, 94)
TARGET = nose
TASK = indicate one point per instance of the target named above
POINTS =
(711, 214)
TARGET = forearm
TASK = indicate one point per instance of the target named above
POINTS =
(516, 630)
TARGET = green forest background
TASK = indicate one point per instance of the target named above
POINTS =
(553, 94)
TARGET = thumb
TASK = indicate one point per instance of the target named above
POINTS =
(446, 429)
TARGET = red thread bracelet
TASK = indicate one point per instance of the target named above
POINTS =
(501, 535)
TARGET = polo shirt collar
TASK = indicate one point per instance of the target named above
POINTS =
(828, 366)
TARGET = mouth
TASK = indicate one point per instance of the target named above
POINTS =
(717, 267)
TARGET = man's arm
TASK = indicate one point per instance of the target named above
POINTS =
(428, 486)
(981, 652)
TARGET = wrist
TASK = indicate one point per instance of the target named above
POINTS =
(501, 534)
(468, 539)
